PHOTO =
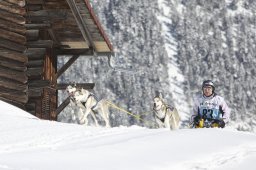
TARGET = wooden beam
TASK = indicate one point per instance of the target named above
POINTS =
(31, 7)
(69, 22)
(12, 65)
(32, 35)
(98, 38)
(87, 86)
(55, 4)
(53, 36)
(13, 74)
(35, 92)
(63, 105)
(35, 53)
(12, 45)
(69, 33)
(72, 28)
(21, 98)
(82, 52)
(38, 26)
(12, 8)
(67, 29)
(38, 110)
(47, 15)
(70, 38)
(74, 44)
(35, 71)
(11, 91)
(12, 36)
(74, 51)
(12, 17)
(12, 55)
(35, 63)
(13, 27)
(30, 106)
(13, 85)
(89, 21)
(63, 26)
(12, 102)
(92, 28)
(35, 2)
(40, 44)
(20, 3)
(102, 47)
(85, 14)
(36, 77)
(39, 84)
(66, 66)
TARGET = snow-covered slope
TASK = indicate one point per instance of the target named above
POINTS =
(29, 143)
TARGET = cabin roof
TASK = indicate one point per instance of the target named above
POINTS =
(74, 25)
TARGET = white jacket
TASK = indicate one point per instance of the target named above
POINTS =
(213, 107)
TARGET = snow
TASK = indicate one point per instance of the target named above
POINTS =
(240, 8)
(28, 143)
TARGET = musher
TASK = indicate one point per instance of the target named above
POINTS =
(210, 109)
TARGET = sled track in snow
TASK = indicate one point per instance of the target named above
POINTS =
(217, 161)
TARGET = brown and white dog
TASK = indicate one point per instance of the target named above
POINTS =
(165, 116)
(88, 104)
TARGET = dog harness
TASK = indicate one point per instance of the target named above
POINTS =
(167, 107)
(91, 95)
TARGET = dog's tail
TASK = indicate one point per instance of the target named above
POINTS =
(176, 118)
(105, 111)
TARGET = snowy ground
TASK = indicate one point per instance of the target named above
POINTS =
(27, 143)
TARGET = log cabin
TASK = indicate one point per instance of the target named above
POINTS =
(33, 34)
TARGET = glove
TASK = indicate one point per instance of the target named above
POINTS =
(197, 119)
(221, 123)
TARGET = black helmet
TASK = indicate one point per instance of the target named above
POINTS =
(208, 83)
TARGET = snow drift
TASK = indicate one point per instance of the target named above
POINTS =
(29, 143)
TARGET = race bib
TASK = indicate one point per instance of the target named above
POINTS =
(207, 113)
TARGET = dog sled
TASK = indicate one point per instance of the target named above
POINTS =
(205, 122)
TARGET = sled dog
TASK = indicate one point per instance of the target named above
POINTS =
(165, 116)
(88, 104)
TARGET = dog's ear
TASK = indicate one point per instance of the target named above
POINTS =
(82, 90)
(158, 94)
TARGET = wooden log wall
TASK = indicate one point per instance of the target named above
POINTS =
(13, 61)
(41, 92)
(42, 41)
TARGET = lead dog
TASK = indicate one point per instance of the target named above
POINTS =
(165, 116)
(88, 104)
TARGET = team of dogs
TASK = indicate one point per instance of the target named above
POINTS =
(165, 115)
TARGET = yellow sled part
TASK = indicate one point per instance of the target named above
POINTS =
(200, 124)
(215, 125)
